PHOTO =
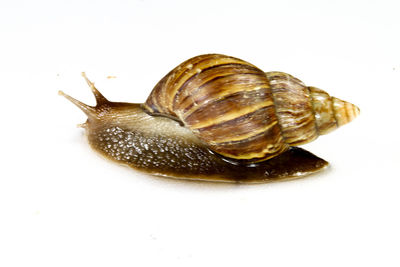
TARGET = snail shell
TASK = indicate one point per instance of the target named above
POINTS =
(217, 118)
(243, 113)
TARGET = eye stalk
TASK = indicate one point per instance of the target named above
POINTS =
(93, 112)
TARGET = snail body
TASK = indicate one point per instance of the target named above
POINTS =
(218, 118)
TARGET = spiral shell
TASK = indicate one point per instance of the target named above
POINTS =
(243, 113)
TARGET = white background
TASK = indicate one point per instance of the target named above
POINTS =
(61, 204)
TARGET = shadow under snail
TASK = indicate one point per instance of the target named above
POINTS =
(217, 118)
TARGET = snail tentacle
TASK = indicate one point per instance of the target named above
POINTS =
(88, 110)
(100, 99)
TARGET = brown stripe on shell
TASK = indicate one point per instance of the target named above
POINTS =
(195, 65)
(278, 76)
(293, 137)
(230, 107)
(179, 75)
(229, 88)
(159, 97)
(259, 147)
(292, 134)
(223, 87)
(239, 128)
(290, 94)
(167, 88)
(154, 103)
(210, 79)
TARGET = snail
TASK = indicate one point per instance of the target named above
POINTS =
(217, 118)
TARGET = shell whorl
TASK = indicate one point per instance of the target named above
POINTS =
(242, 112)
(305, 112)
